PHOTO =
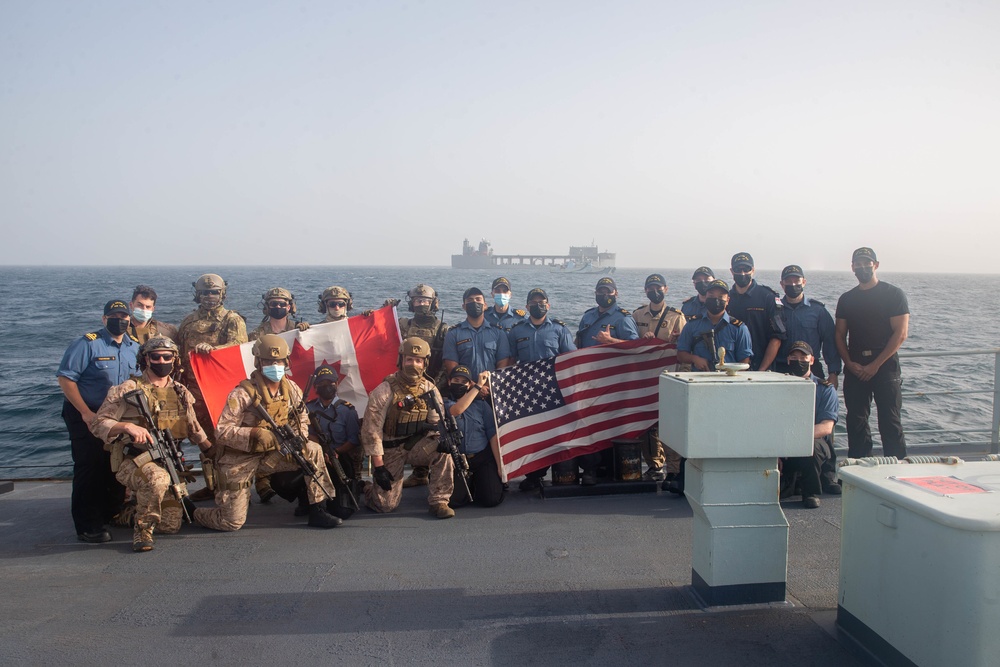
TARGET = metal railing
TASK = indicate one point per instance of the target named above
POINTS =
(938, 447)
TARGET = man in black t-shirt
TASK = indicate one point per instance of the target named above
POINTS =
(872, 323)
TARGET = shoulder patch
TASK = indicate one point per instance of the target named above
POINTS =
(735, 322)
(91, 336)
(520, 312)
(232, 403)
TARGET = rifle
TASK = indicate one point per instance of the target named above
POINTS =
(708, 338)
(164, 448)
(451, 437)
(290, 444)
(338, 468)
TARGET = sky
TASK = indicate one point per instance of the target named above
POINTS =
(385, 133)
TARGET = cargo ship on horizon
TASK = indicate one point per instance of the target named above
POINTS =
(579, 259)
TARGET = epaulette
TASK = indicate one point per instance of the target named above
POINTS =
(559, 322)
(624, 312)
(735, 322)
(519, 323)
(520, 312)
(692, 318)
(92, 336)
(674, 309)
(136, 339)
(817, 302)
(690, 299)
(348, 404)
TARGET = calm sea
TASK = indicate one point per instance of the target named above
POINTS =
(45, 308)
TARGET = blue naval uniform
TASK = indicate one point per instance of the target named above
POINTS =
(827, 406)
(95, 362)
(819, 470)
(529, 342)
(693, 306)
(478, 426)
(477, 349)
(811, 322)
(505, 321)
(618, 321)
(760, 310)
(343, 428)
(733, 335)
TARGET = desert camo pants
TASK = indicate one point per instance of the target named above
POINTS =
(235, 473)
(440, 485)
(155, 506)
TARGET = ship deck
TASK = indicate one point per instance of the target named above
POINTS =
(596, 580)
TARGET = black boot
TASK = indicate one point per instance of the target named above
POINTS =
(189, 506)
(320, 518)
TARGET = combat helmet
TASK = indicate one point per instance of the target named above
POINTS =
(334, 292)
(270, 347)
(158, 343)
(278, 293)
(425, 291)
(209, 281)
(414, 346)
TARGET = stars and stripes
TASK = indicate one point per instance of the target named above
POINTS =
(577, 403)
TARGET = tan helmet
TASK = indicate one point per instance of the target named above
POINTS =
(278, 293)
(334, 292)
(425, 291)
(206, 282)
(158, 343)
(414, 346)
(271, 347)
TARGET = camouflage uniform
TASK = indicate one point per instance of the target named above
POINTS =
(383, 419)
(236, 468)
(673, 321)
(153, 329)
(218, 327)
(172, 407)
(265, 328)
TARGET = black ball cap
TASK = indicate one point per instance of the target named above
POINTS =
(116, 306)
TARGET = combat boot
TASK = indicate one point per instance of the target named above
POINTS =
(419, 477)
(442, 511)
(125, 518)
(202, 495)
(142, 537)
(320, 518)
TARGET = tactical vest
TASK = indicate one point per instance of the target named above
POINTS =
(166, 405)
(430, 332)
(407, 412)
(279, 407)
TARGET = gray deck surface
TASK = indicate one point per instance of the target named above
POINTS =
(582, 581)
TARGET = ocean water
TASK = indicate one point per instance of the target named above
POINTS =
(45, 309)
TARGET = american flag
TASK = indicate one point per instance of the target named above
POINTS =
(577, 403)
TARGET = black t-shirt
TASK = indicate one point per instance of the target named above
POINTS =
(867, 313)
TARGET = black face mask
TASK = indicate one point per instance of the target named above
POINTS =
(799, 367)
(162, 370)
(715, 305)
(117, 326)
(864, 274)
(423, 309)
(326, 391)
(457, 391)
(655, 296)
(605, 300)
(702, 286)
(277, 313)
(793, 291)
(742, 279)
(537, 310)
(474, 309)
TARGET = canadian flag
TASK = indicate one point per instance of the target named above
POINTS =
(362, 349)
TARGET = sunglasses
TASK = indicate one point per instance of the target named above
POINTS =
(161, 356)
(213, 292)
(336, 304)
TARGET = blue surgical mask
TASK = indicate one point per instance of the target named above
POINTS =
(140, 315)
(501, 300)
(274, 373)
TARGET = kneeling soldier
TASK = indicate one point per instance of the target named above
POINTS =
(134, 459)
(251, 447)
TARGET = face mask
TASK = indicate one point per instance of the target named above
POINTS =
(742, 279)
(277, 313)
(799, 367)
(412, 373)
(793, 291)
(474, 309)
(457, 391)
(537, 310)
(655, 296)
(274, 372)
(702, 287)
(605, 300)
(141, 316)
(211, 301)
(864, 274)
(715, 305)
(117, 326)
(326, 392)
(423, 309)
(162, 370)
(501, 300)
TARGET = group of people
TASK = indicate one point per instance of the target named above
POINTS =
(408, 421)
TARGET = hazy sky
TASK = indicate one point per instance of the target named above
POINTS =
(386, 132)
